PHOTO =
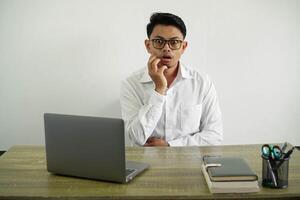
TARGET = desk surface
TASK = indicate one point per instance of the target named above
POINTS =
(174, 174)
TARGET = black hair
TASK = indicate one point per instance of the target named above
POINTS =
(165, 19)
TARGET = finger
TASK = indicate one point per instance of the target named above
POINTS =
(162, 69)
(152, 57)
(155, 63)
(150, 139)
(153, 66)
(148, 145)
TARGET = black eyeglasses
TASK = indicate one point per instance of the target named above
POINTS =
(160, 43)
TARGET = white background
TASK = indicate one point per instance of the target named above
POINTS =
(70, 56)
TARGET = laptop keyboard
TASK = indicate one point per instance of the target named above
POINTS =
(129, 171)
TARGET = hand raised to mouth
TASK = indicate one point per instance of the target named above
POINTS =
(156, 72)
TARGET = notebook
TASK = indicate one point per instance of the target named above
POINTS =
(230, 169)
(88, 147)
(233, 175)
(229, 187)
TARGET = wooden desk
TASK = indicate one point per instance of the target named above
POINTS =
(174, 174)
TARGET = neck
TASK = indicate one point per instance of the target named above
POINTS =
(172, 71)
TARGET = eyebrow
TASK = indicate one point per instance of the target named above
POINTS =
(172, 38)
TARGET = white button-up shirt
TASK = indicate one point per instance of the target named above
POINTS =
(187, 115)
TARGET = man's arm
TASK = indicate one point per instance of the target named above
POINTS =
(211, 127)
(140, 120)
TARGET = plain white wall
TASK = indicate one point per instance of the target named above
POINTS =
(69, 56)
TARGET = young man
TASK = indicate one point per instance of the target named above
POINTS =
(167, 103)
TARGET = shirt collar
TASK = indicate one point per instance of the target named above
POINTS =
(184, 72)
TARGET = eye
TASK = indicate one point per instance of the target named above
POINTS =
(159, 41)
(174, 42)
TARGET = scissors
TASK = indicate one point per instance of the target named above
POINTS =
(271, 152)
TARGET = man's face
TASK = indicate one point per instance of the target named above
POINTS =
(171, 52)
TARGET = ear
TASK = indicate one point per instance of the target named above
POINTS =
(147, 45)
(184, 46)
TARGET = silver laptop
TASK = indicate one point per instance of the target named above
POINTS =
(88, 147)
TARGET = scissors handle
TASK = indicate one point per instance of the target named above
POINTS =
(277, 152)
(272, 152)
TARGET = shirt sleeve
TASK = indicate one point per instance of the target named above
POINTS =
(211, 126)
(140, 119)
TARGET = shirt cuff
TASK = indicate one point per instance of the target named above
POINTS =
(157, 99)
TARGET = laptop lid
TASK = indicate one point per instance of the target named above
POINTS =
(89, 147)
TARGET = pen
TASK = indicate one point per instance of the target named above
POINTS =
(284, 147)
(287, 155)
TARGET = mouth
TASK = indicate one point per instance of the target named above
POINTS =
(166, 58)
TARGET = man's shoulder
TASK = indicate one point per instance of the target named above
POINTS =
(195, 74)
(138, 75)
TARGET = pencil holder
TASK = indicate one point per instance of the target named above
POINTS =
(275, 173)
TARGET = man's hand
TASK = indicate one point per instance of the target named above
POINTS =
(153, 141)
(156, 73)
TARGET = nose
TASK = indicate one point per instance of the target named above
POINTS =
(167, 47)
